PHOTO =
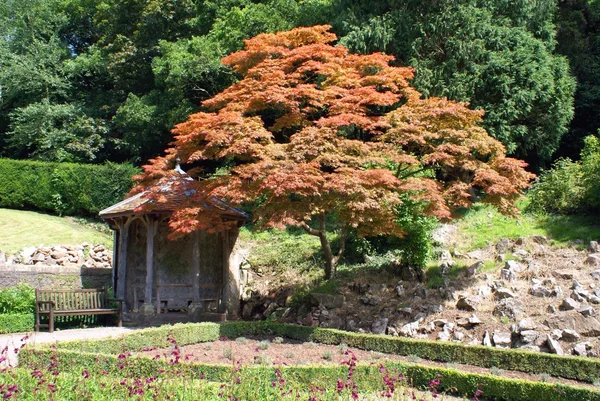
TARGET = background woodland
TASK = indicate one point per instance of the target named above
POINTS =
(104, 80)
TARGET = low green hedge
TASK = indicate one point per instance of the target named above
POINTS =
(63, 188)
(571, 367)
(16, 322)
(367, 377)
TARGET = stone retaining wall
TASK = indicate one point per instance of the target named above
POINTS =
(56, 277)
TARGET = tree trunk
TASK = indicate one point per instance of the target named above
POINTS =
(331, 260)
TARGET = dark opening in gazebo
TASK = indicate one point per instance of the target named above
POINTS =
(192, 274)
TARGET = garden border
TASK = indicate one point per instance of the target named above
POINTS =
(451, 380)
(569, 367)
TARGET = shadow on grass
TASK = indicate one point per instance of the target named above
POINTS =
(564, 229)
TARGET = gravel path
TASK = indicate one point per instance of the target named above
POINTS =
(15, 341)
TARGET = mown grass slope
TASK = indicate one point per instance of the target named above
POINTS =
(20, 228)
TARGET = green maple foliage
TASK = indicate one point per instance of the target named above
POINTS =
(312, 131)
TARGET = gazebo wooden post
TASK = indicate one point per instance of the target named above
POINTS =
(123, 226)
(225, 288)
(151, 228)
(196, 304)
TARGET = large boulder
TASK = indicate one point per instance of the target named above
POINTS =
(379, 326)
(572, 320)
(511, 308)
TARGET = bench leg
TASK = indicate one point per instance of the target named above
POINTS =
(51, 321)
(37, 322)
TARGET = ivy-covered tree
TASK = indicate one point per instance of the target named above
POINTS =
(315, 135)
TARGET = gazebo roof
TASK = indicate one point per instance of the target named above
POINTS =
(131, 205)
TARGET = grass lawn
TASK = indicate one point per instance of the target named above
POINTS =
(483, 224)
(20, 228)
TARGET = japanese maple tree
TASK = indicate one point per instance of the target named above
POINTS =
(313, 134)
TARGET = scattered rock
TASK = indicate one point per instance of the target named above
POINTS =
(511, 308)
(593, 247)
(539, 239)
(329, 301)
(592, 259)
(484, 291)
(474, 320)
(557, 292)
(472, 270)
(410, 329)
(528, 336)
(502, 339)
(503, 245)
(443, 335)
(270, 309)
(569, 304)
(554, 345)
(514, 266)
(526, 324)
(379, 326)
(458, 335)
(508, 275)
(587, 311)
(487, 342)
(538, 290)
(565, 274)
(551, 309)
(521, 253)
(371, 300)
(400, 291)
(570, 336)
(502, 293)
(580, 348)
(467, 303)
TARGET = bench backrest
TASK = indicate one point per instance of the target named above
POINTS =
(65, 300)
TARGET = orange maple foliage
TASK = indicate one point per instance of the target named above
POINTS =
(311, 130)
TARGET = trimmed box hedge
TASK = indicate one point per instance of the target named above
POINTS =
(570, 367)
(63, 188)
(16, 322)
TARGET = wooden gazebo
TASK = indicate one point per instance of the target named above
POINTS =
(154, 274)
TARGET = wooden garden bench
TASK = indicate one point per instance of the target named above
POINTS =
(54, 303)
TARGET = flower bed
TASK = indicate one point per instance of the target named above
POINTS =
(112, 359)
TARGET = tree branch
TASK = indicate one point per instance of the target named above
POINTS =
(309, 229)
(414, 173)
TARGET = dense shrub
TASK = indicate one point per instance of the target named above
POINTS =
(17, 299)
(570, 187)
(63, 188)
(16, 322)
(412, 250)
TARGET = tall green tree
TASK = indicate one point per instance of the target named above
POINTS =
(578, 38)
(497, 55)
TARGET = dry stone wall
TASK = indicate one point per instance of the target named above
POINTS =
(55, 277)
(58, 267)
(62, 255)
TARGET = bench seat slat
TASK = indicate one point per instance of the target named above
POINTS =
(81, 312)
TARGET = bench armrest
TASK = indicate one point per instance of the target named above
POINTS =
(115, 300)
(46, 302)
